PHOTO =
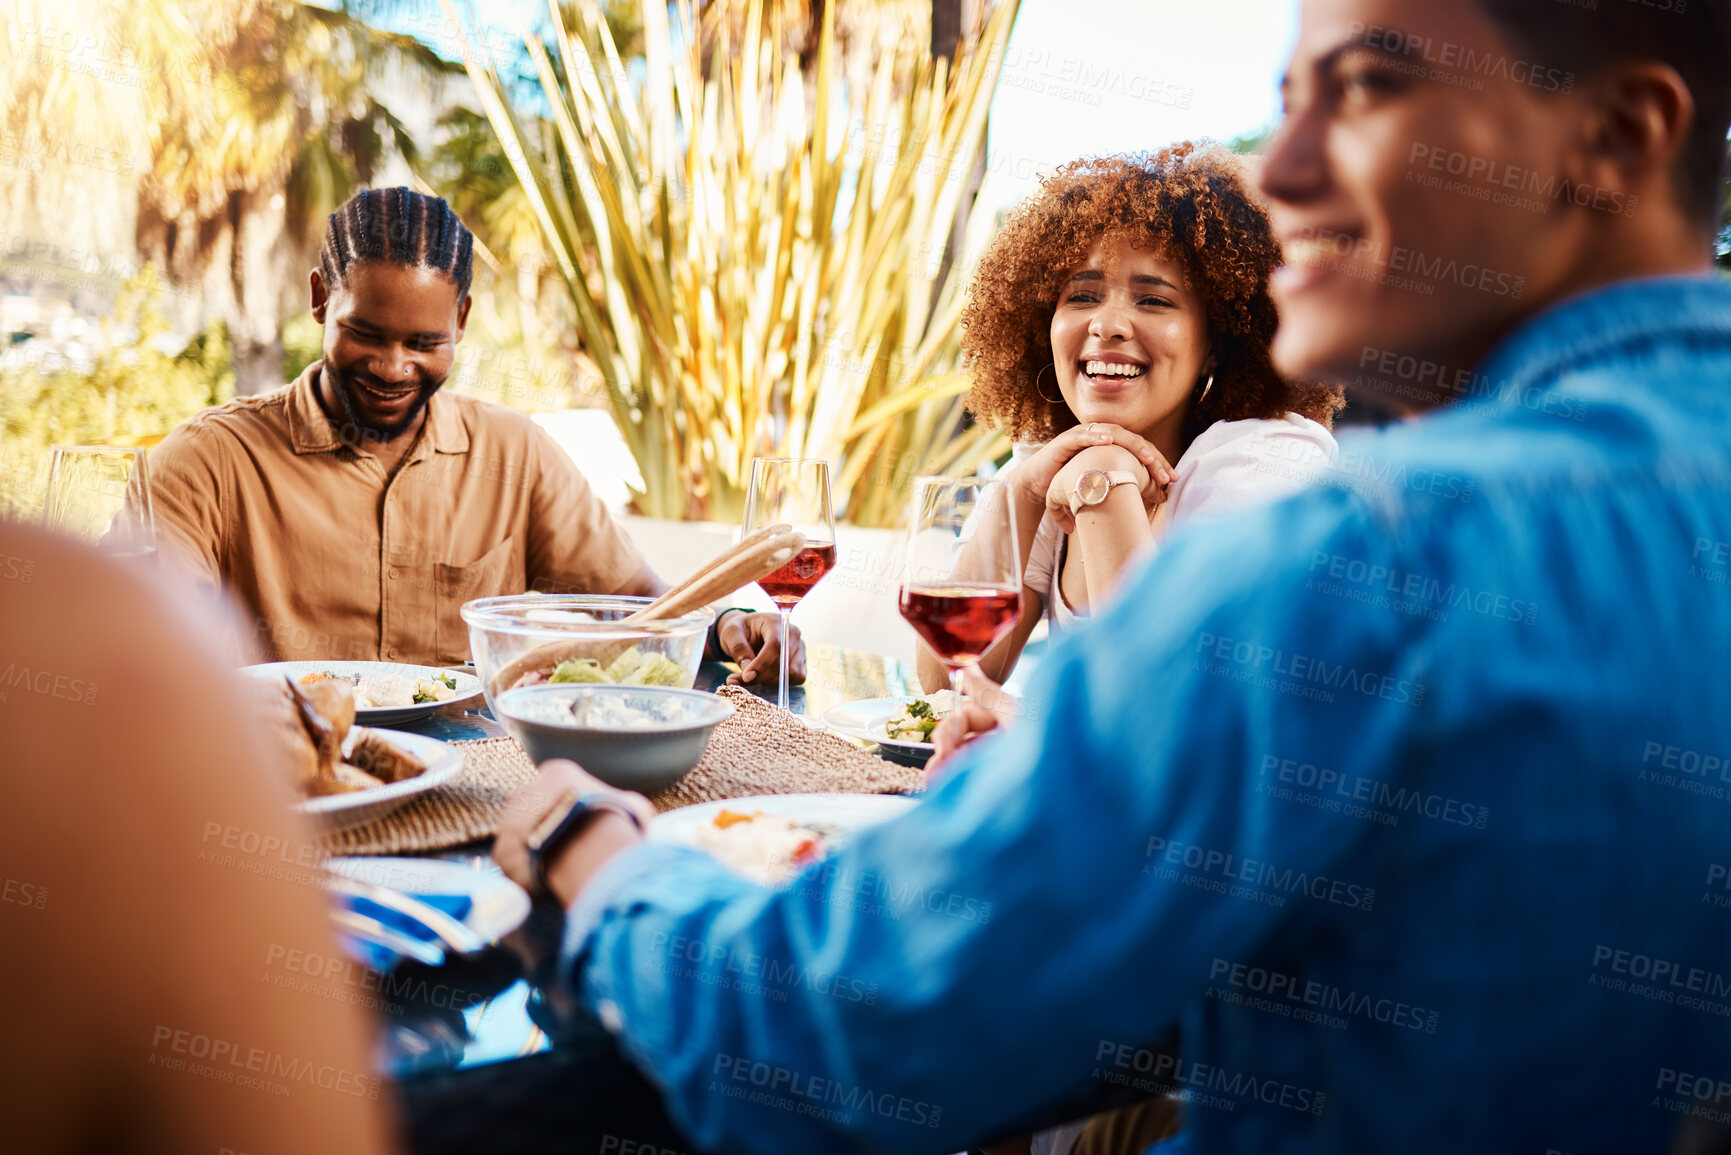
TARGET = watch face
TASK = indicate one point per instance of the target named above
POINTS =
(1091, 487)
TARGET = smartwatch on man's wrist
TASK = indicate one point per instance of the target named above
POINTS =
(562, 823)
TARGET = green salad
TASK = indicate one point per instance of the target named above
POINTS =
(917, 718)
(632, 668)
(428, 689)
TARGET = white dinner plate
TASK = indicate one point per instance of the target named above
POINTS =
(359, 807)
(869, 720)
(468, 685)
(844, 812)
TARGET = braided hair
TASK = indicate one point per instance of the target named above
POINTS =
(401, 227)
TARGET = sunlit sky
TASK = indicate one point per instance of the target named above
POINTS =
(1124, 75)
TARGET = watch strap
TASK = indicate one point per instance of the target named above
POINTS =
(1114, 478)
(562, 822)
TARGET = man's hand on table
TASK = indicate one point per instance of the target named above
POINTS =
(603, 835)
(988, 707)
(754, 641)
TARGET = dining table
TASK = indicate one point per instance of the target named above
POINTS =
(487, 1050)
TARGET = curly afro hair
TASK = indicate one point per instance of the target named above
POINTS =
(1191, 203)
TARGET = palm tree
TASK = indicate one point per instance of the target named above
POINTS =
(232, 126)
(243, 176)
(85, 86)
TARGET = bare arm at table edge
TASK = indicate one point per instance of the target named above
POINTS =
(160, 1009)
(1107, 537)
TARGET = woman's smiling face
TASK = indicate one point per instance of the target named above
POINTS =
(1129, 339)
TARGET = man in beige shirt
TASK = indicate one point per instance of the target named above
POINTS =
(355, 511)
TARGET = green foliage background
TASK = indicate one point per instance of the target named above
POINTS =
(133, 395)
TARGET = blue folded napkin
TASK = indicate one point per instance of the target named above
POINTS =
(382, 958)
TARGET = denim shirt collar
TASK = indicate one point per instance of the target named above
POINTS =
(1585, 330)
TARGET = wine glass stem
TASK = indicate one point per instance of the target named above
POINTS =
(781, 683)
(957, 673)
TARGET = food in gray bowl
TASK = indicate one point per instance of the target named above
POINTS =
(642, 738)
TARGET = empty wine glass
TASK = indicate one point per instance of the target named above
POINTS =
(100, 494)
(961, 602)
(795, 491)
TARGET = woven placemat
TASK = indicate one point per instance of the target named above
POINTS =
(763, 749)
(760, 750)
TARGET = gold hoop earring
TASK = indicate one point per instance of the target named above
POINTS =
(1042, 396)
(1203, 396)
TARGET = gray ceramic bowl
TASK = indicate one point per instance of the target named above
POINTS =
(642, 738)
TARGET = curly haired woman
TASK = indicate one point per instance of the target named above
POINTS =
(1119, 325)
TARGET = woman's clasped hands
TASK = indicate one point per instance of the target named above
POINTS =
(1046, 479)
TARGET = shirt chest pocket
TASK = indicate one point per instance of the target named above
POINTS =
(498, 571)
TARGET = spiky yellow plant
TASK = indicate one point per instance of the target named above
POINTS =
(755, 255)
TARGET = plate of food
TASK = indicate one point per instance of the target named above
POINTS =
(772, 837)
(385, 692)
(348, 774)
(900, 726)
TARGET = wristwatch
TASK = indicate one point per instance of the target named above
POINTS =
(560, 824)
(1092, 487)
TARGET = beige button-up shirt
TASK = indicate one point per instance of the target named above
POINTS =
(331, 558)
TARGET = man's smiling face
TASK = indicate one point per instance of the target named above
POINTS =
(1398, 113)
(390, 338)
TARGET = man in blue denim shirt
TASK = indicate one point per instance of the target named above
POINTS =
(1405, 801)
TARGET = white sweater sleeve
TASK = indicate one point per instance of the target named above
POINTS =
(1236, 465)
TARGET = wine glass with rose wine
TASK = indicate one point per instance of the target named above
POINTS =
(961, 603)
(792, 491)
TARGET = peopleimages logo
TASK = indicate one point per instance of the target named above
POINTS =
(1660, 980)
(721, 965)
(768, 1085)
(1437, 270)
(228, 1062)
(1701, 1088)
(1193, 1079)
(1451, 63)
(1356, 471)
(1261, 881)
(1372, 798)
(1402, 267)
(1321, 997)
(1389, 587)
(1499, 181)
(1700, 772)
(1085, 80)
(47, 683)
(869, 892)
(1302, 675)
(24, 894)
(1467, 385)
